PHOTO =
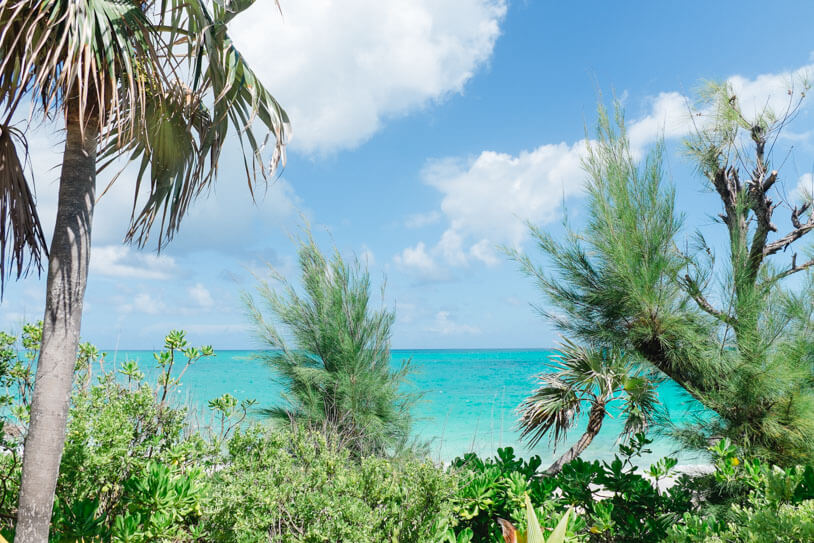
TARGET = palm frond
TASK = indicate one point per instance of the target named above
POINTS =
(21, 232)
(162, 79)
(97, 57)
(553, 407)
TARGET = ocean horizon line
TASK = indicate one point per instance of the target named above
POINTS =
(401, 349)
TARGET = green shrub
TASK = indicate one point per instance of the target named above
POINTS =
(786, 523)
(764, 503)
(497, 487)
(618, 502)
(615, 501)
(123, 438)
(126, 444)
(301, 486)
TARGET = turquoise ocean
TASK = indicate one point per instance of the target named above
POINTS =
(468, 403)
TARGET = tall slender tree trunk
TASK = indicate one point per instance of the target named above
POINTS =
(67, 277)
(595, 418)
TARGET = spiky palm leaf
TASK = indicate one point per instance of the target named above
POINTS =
(161, 79)
(583, 377)
(20, 229)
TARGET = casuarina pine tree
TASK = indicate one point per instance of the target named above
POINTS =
(729, 320)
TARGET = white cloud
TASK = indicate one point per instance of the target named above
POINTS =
(420, 220)
(490, 197)
(127, 263)
(144, 303)
(200, 295)
(669, 117)
(487, 200)
(769, 90)
(484, 251)
(341, 68)
(450, 247)
(446, 326)
(417, 260)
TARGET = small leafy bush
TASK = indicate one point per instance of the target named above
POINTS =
(777, 506)
(124, 435)
(497, 488)
(292, 486)
(616, 502)
(619, 502)
(161, 504)
(132, 465)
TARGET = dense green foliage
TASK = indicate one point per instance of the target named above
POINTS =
(132, 466)
(302, 486)
(762, 504)
(338, 374)
(628, 281)
(135, 470)
(614, 500)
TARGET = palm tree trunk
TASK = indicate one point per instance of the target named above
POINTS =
(595, 418)
(67, 277)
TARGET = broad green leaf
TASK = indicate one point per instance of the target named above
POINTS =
(534, 534)
(558, 535)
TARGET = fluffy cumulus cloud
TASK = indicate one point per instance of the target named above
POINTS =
(669, 117)
(490, 196)
(124, 262)
(487, 200)
(200, 295)
(417, 261)
(143, 303)
(341, 68)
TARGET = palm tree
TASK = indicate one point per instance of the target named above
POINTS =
(158, 82)
(587, 377)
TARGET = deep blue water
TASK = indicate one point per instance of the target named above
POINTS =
(469, 396)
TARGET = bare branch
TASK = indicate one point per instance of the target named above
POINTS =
(695, 292)
(794, 268)
(791, 237)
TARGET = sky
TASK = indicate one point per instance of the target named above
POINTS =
(426, 134)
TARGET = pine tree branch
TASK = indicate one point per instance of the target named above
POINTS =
(793, 269)
(800, 230)
(695, 293)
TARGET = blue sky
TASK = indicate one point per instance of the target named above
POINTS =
(425, 133)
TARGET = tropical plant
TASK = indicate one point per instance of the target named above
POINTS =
(295, 485)
(770, 504)
(125, 436)
(617, 500)
(620, 501)
(338, 374)
(625, 282)
(596, 377)
(533, 533)
(156, 82)
(497, 487)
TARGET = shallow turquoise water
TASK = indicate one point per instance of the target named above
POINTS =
(469, 397)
